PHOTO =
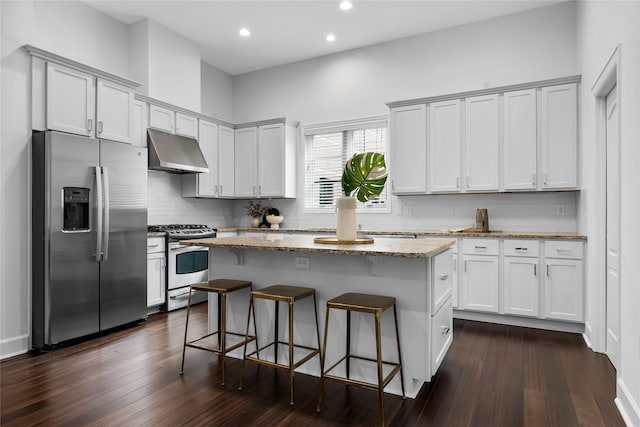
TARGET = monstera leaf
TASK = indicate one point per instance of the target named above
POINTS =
(365, 175)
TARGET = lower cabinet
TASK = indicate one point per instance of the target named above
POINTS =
(480, 275)
(520, 293)
(563, 288)
(156, 271)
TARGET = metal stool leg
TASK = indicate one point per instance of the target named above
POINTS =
(246, 337)
(275, 337)
(222, 329)
(348, 344)
(186, 328)
(395, 319)
(315, 309)
(380, 377)
(291, 353)
(323, 359)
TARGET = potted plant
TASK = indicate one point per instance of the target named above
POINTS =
(256, 211)
(364, 176)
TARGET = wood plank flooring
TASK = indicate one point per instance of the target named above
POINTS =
(493, 375)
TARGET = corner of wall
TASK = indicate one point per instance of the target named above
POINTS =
(628, 407)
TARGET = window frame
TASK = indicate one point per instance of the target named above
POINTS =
(349, 126)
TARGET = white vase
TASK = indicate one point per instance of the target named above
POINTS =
(346, 228)
(255, 222)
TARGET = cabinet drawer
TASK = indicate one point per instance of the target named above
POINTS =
(563, 249)
(441, 335)
(155, 244)
(442, 270)
(480, 246)
(521, 248)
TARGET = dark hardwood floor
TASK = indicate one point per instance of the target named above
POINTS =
(493, 375)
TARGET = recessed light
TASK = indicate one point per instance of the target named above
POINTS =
(331, 38)
(345, 5)
(244, 32)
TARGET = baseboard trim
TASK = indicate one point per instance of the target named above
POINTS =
(628, 407)
(14, 346)
(505, 319)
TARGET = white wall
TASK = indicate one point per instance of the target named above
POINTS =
(530, 46)
(217, 93)
(601, 27)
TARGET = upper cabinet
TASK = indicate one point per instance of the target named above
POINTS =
(79, 103)
(174, 122)
(226, 161)
(265, 160)
(514, 138)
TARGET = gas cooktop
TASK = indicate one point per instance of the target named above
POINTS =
(184, 231)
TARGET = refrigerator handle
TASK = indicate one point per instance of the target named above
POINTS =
(100, 210)
(106, 228)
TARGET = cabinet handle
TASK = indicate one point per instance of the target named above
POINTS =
(522, 249)
(259, 190)
(468, 181)
(445, 330)
(564, 251)
(152, 246)
(455, 266)
(443, 276)
(220, 188)
(100, 127)
(545, 176)
(533, 179)
(393, 184)
(458, 182)
(483, 248)
(465, 265)
(254, 190)
(535, 269)
(89, 124)
(548, 271)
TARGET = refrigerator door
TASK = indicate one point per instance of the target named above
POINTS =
(123, 270)
(71, 287)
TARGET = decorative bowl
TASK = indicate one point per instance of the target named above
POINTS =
(275, 220)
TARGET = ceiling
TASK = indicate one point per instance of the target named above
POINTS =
(283, 32)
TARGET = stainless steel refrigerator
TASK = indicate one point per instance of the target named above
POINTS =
(89, 236)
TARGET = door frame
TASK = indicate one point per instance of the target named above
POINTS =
(608, 78)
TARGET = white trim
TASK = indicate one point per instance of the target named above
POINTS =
(629, 409)
(14, 346)
(607, 79)
(346, 125)
(525, 322)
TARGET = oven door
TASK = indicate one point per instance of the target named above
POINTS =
(187, 265)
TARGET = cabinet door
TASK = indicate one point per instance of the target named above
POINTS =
(520, 291)
(208, 182)
(161, 118)
(454, 280)
(409, 149)
(482, 143)
(226, 161)
(520, 140)
(480, 283)
(271, 161)
(444, 146)
(71, 100)
(186, 125)
(139, 123)
(563, 290)
(114, 112)
(559, 123)
(156, 266)
(246, 162)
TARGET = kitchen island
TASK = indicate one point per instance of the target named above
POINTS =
(416, 272)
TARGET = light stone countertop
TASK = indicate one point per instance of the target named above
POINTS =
(404, 248)
(423, 233)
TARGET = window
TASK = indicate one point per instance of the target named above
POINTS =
(328, 147)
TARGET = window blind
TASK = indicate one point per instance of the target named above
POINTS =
(326, 152)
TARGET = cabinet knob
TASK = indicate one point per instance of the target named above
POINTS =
(445, 330)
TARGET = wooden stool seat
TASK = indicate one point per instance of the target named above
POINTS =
(369, 304)
(286, 294)
(221, 287)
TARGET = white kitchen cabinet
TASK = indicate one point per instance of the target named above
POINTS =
(564, 281)
(114, 112)
(521, 289)
(246, 162)
(156, 271)
(162, 118)
(226, 161)
(409, 149)
(139, 123)
(186, 125)
(480, 275)
(445, 141)
(70, 100)
(265, 161)
(520, 140)
(204, 184)
(559, 144)
(482, 143)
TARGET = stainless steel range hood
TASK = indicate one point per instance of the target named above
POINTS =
(174, 153)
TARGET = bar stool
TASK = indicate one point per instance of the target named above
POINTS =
(363, 303)
(288, 294)
(221, 287)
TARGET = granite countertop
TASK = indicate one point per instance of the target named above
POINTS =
(404, 248)
(424, 233)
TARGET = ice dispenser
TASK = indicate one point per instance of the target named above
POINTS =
(75, 209)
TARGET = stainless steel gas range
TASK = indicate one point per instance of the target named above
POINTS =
(186, 265)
